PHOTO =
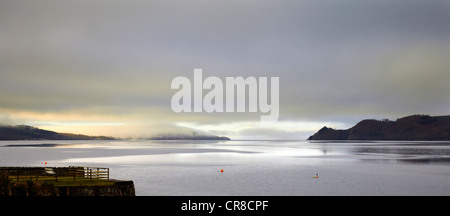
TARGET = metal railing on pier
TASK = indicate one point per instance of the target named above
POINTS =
(53, 173)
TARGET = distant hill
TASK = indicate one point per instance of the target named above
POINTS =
(24, 132)
(415, 127)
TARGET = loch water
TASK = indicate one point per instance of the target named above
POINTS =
(252, 168)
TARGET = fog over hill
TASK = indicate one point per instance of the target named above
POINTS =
(25, 132)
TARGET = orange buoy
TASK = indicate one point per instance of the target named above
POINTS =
(221, 170)
(45, 162)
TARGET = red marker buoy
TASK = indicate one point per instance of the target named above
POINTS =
(221, 170)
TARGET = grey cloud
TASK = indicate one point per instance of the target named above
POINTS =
(335, 59)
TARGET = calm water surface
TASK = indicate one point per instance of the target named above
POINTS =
(252, 167)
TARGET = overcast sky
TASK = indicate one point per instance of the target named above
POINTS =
(105, 67)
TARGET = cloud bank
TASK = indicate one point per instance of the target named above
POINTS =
(66, 63)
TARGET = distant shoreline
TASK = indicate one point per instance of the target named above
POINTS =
(25, 132)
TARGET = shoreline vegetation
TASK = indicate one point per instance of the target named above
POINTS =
(409, 128)
(25, 132)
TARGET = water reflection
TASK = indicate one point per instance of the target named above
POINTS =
(406, 153)
(420, 152)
